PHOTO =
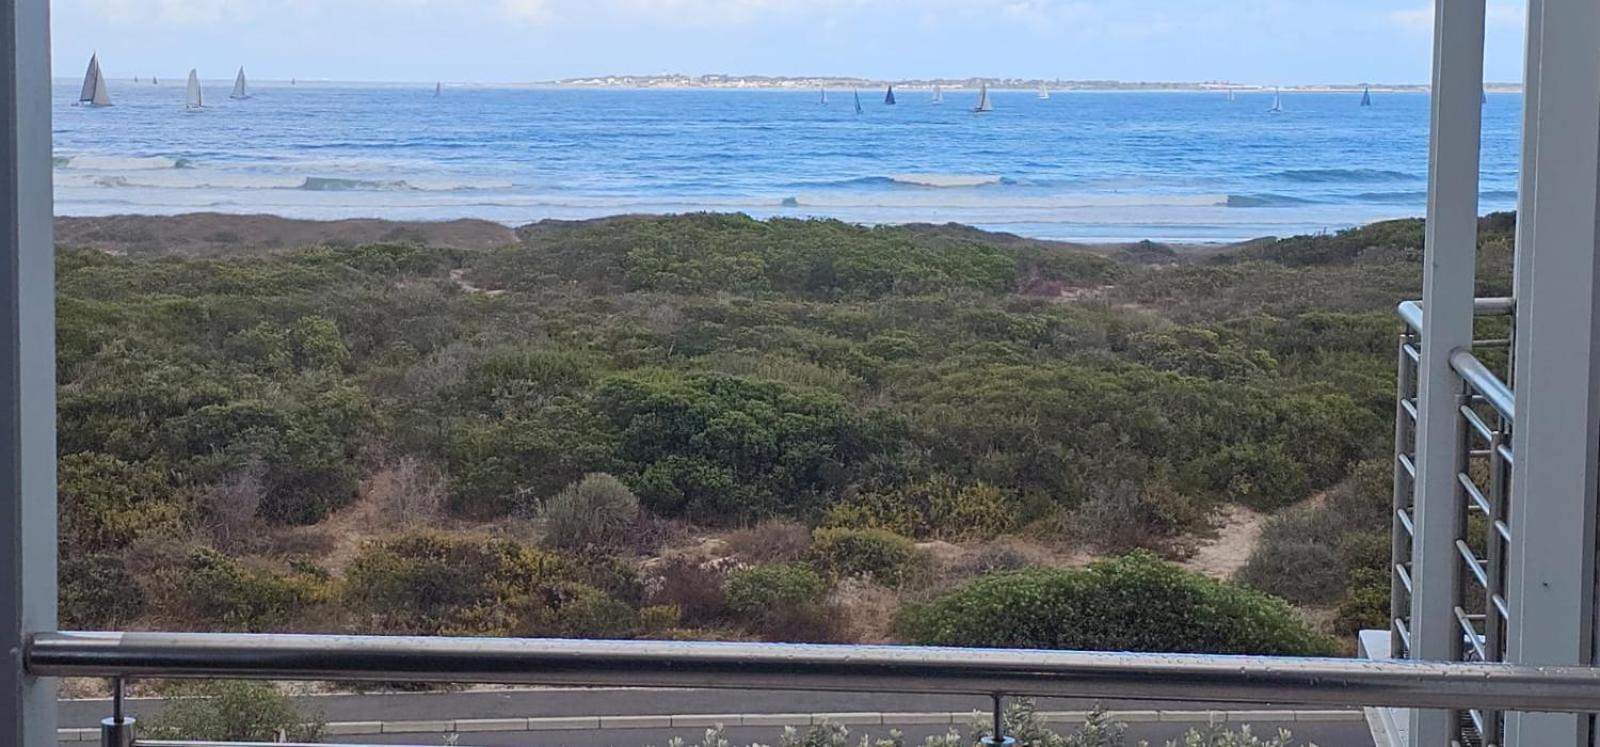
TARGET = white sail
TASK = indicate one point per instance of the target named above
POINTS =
(195, 98)
(102, 97)
(94, 91)
(89, 77)
(1044, 93)
(984, 104)
(241, 87)
(1277, 101)
(938, 95)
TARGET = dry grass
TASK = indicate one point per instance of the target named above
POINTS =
(405, 494)
(865, 612)
(771, 541)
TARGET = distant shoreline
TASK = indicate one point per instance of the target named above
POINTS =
(673, 83)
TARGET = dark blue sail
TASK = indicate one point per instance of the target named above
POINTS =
(888, 99)
(1366, 97)
(858, 103)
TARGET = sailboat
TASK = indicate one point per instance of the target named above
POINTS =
(194, 99)
(438, 89)
(1044, 93)
(1231, 96)
(984, 104)
(294, 81)
(938, 96)
(1277, 101)
(136, 79)
(824, 97)
(1366, 96)
(888, 98)
(241, 87)
(94, 85)
(154, 81)
(859, 110)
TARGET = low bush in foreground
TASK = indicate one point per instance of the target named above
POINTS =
(233, 712)
(1024, 724)
(1135, 603)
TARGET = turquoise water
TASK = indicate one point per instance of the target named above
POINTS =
(1093, 166)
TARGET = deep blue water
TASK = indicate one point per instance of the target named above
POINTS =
(1114, 166)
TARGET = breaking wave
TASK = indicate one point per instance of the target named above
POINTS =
(115, 163)
(331, 184)
(930, 181)
(1328, 176)
(1267, 200)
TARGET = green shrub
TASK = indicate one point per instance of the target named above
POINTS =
(213, 589)
(594, 511)
(98, 593)
(660, 618)
(501, 465)
(1262, 476)
(936, 508)
(759, 588)
(579, 611)
(722, 450)
(884, 557)
(106, 502)
(1366, 604)
(1122, 517)
(233, 712)
(436, 585)
(1312, 554)
(1305, 571)
(1136, 603)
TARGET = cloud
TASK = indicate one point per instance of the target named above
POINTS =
(176, 12)
(528, 11)
(1420, 19)
(715, 13)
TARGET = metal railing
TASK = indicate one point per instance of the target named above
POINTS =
(1487, 411)
(992, 674)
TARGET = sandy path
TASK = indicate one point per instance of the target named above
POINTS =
(459, 277)
(1237, 535)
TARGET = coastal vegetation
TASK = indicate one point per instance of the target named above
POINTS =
(712, 426)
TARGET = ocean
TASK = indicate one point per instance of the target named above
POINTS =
(1101, 166)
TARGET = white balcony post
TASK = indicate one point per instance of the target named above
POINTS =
(1557, 434)
(1530, 146)
(1447, 298)
(27, 370)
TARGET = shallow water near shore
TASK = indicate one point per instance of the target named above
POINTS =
(1177, 166)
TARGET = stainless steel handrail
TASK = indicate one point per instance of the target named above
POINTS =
(1411, 311)
(1485, 383)
(1234, 679)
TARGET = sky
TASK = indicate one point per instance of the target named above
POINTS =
(1269, 42)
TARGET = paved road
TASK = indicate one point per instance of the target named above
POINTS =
(491, 704)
